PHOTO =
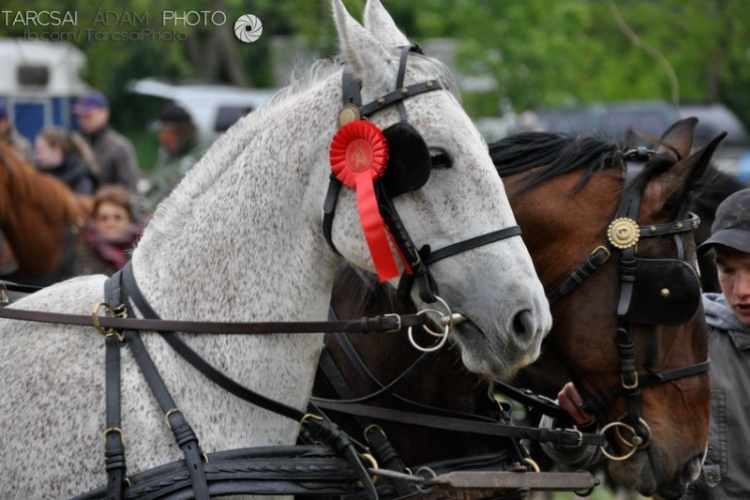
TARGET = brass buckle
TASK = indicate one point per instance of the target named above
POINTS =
(373, 427)
(110, 430)
(4, 296)
(634, 385)
(398, 322)
(172, 412)
(603, 249)
(115, 312)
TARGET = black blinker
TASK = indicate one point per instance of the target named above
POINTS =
(408, 160)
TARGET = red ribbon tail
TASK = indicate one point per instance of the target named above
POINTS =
(401, 255)
(375, 229)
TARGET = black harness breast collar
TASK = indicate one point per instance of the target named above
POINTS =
(393, 184)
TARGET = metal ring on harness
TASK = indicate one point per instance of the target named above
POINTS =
(614, 457)
(447, 326)
(375, 467)
(533, 464)
(432, 475)
(636, 436)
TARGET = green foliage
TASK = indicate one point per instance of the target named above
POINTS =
(540, 52)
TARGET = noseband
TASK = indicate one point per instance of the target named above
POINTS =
(652, 291)
(408, 170)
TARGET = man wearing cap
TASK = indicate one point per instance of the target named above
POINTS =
(113, 152)
(179, 151)
(726, 470)
(9, 135)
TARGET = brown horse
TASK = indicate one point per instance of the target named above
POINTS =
(564, 193)
(40, 218)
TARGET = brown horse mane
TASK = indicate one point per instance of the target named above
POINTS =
(555, 154)
(23, 184)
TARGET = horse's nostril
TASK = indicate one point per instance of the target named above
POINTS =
(523, 324)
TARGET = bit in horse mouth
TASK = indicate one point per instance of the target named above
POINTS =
(455, 319)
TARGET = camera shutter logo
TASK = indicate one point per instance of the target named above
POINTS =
(248, 28)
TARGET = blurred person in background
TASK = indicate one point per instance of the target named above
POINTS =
(12, 137)
(66, 156)
(111, 235)
(179, 150)
(114, 153)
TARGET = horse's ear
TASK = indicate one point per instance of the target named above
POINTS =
(683, 174)
(679, 138)
(380, 23)
(364, 54)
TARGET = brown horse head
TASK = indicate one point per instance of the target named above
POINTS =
(37, 213)
(565, 209)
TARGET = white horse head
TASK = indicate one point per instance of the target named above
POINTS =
(240, 239)
(495, 286)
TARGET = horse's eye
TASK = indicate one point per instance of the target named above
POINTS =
(440, 159)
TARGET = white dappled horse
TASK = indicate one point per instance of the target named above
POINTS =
(240, 239)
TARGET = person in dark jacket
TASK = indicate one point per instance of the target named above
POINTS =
(180, 149)
(110, 236)
(113, 152)
(66, 156)
(726, 470)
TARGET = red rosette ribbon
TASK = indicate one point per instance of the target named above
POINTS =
(358, 157)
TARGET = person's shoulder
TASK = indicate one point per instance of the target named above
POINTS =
(115, 138)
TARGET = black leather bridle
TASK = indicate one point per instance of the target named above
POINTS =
(402, 176)
(652, 291)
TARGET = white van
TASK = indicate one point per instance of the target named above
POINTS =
(214, 108)
(39, 82)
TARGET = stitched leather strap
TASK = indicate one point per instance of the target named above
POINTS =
(597, 403)
(114, 437)
(557, 436)
(325, 431)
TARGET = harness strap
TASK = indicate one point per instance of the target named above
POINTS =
(175, 419)
(329, 210)
(580, 274)
(114, 437)
(427, 256)
(528, 398)
(558, 436)
(378, 324)
(317, 428)
(597, 403)
(381, 389)
(382, 448)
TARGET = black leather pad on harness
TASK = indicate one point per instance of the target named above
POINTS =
(656, 278)
(408, 160)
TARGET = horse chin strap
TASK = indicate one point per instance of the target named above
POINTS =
(415, 261)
